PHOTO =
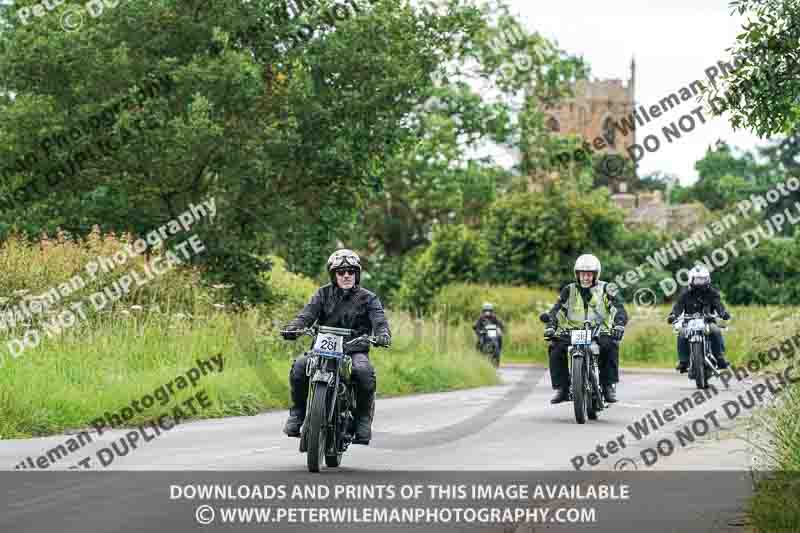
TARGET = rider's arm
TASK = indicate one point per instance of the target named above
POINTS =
(562, 301)
(380, 325)
(500, 324)
(680, 304)
(477, 325)
(716, 302)
(615, 300)
(309, 314)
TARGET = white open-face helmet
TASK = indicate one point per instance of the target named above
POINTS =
(699, 277)
(587, 263)
(341, 259)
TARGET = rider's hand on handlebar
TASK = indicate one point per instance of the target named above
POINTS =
(725, 316)
(290, 335)
(383, 340)
(549, 333)
(618, 332)
(671, 319)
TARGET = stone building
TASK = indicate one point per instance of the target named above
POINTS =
(603, 113)
(598, 111)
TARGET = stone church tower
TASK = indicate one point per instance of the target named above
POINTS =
(592, 112)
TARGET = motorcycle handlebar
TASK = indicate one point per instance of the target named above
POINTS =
(313, 331)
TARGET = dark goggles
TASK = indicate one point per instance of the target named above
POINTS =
(343, 271)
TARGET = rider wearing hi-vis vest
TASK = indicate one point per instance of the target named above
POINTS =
(596, 311)
(598, 302)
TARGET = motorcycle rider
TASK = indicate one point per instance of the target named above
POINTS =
(488, 316)
(594, 300)
(342, 303)
(700, 297)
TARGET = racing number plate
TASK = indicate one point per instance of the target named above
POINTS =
(328, 344)
(491, 332)
(580, 337)
(696, 323)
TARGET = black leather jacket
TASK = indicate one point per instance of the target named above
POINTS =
(357, 309)
(693, 301)
(480, 324)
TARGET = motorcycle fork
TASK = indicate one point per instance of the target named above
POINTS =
(711, 361)
(583, 361)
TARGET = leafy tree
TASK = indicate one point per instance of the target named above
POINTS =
(534, 238)
(456, 253)
(762, 90)
(431, 179)
(286, 135)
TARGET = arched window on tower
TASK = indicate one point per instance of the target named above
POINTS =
(609, 133)
(552, 125)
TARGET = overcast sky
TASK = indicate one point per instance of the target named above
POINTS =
(673, 42)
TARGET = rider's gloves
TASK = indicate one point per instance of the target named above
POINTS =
(725, 316)
(671, 319)
(549, 333)
(290, 335)
(383, 340)
(618, 332)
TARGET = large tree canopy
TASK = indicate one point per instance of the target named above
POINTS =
(289, 135)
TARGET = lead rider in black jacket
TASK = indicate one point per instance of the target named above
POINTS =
(343, 303)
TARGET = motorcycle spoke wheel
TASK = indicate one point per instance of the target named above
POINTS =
(579, 391)
(699, 366)
(317, 426)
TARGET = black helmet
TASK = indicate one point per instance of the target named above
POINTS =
(344, 258)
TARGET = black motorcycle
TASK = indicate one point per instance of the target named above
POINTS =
(702, 363)
(587, 399)
(329, 426)
(490, 343)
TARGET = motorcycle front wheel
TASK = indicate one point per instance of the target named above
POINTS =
(579, 397)
(317, 428)
(698, 365)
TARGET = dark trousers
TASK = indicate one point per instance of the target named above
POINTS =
(607, 363)
(363, 376)
(714, 338)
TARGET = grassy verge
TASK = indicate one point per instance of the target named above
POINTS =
(104, 366)
(774, 505)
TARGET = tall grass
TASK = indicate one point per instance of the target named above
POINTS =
(777, 442)
(155, 334)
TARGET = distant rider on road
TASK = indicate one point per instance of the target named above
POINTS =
(488, 316)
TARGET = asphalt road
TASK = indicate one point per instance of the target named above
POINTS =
(512, 427)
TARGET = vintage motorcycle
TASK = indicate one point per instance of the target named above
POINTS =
(490, 343)
(702, 363)
(329, 426)
(587, 398)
